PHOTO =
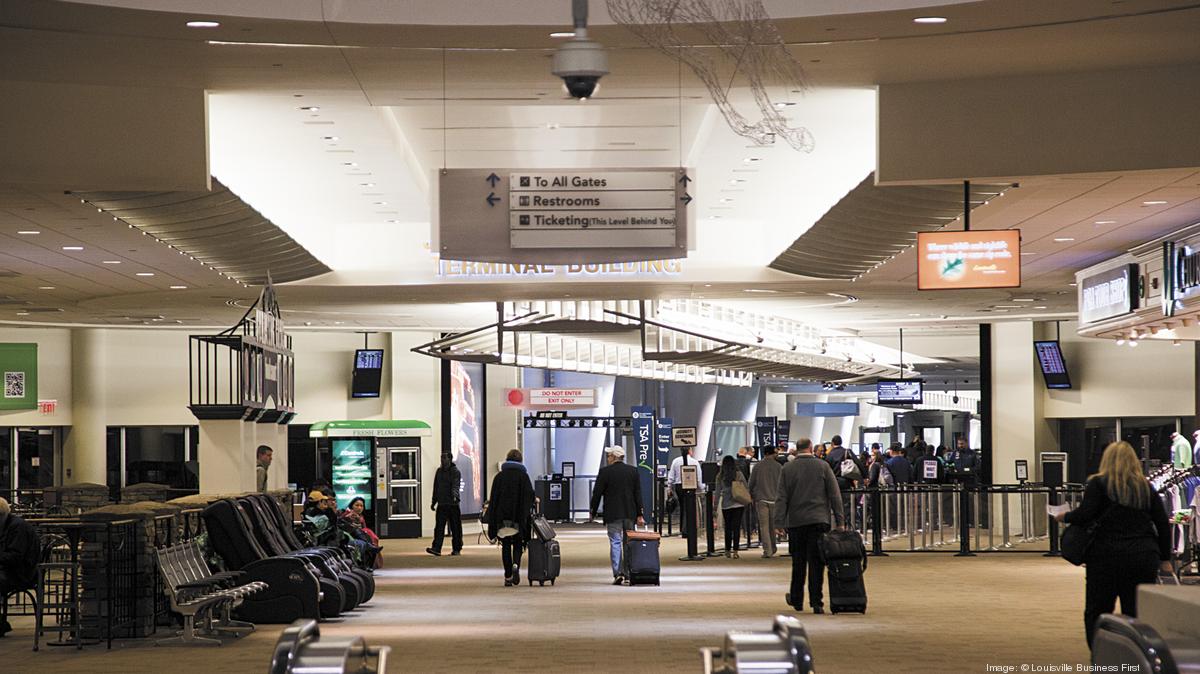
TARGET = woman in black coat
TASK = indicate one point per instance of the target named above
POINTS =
(511, 502)
(1132, 540)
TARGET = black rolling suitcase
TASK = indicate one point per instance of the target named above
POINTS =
(544, 561)
(641, 557)
(845, 557)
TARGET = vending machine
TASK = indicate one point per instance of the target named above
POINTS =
(380, 462)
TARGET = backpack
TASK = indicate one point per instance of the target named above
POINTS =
(886, 479)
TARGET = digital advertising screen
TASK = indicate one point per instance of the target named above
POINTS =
(463, 405)
(352, 471)
(1054, 366)
(965, 260)
(368, 371)
(899, 392)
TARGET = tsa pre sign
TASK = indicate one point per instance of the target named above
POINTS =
(643, 439)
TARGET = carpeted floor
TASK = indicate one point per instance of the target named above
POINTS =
(927, 613)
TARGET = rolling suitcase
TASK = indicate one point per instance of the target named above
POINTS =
(542, 528)
(845, 557)
(641, 557)
(544, 561)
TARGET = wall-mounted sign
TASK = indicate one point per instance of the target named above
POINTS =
(550, 398)
(47, 406)
(1022, 470)
(579, 422)
(562, 216)
(18, 366)
(826, 409)
(764, 431)
(1181, 275)
(1109, 293)
(568, 470)
(461, 269)
(683, 436)
(964, 260)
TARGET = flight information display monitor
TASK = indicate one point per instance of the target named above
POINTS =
(1054, 366)
(368, 371)
(899, 392)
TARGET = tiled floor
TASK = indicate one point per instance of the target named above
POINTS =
(927, 613)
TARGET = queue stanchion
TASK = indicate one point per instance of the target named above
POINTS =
(964, 524)
(1004, 517)
(710, 523)
(877, 523)
(688, 522)
(1052, 525)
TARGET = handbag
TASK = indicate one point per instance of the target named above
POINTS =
(1077, 539)
(741, 493)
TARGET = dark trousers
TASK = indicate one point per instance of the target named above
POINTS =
(806, 560)
(448, 514)
(510, 553)
(683, 523)
(1116, 577)
(733, 527)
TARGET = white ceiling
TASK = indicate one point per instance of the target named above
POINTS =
(393, 110)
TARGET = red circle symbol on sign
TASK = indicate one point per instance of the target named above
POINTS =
(516, 397)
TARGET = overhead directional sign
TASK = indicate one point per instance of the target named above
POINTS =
(588, 215)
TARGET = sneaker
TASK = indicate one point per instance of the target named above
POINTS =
(516, 575)
(508, 582)
(435, 553)
(619, 580)
(455, 553)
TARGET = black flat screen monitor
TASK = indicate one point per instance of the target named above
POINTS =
(1054, 367)
(899, 392)
(368, 370)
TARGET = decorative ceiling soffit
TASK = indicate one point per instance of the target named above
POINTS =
(872, 224)
(215, 228)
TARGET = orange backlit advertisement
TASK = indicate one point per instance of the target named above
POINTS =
(975, 259)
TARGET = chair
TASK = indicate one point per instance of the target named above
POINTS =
(1130, 645)
(57, 591)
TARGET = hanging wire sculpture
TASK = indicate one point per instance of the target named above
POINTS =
(736, 32)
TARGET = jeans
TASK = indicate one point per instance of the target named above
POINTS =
(766, 532)
(448, 514)
(733, 527)
(1111, 578)
(616, 543)
(806, 557)
(511, 549)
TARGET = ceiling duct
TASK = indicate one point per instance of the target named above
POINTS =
(216, 228)
(872, 224)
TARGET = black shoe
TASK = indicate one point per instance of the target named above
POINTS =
(788, 598)
(455, 553)
(508, 582)
(5, 628)
(619, 580)
(516, 575)
(817, 610)
(435, 553)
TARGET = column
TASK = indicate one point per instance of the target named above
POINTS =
(274, 436)
(84, 457)
(226, 455)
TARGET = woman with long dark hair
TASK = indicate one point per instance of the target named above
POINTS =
(1132, 538)
(731, 510)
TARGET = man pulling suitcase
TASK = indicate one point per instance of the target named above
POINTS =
(618, 485)
(808, 498)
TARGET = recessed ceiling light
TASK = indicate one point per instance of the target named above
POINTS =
(759, 290)
(45, 287)
(707, 285)
(784, 104)
(366, 184)
(112, 262)
(28, 232)
(330, 138)
(1073, 284)
(178, 287)
(748, 160)
(1065, 239)
(736, 181)
(310, 108)
(565, 33)
(1153, 203)
(349, 163)
(203, 24)
(1007, 306)
(1023, 299)
(726, 200)
(914, 315)
(22, 313)
(144, 273)
(714, 217)
(930, 19)
(1025, 254)
(72, 247)
(1039, 307)
(1106, 222)
(381, 203)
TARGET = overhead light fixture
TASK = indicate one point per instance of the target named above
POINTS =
(178, 287)
(203, 24)
(749, 160)
(784, 104)
(913, 315)
(930, 19)
(45, 287)
(1027, 254)
(1073, 285)
(759, 290)
(366, 184)
(1039, 307)
(1121, 341)
(111, 262)
(726, 200)
(22, 313)
(563, 33)
(28, 232)
(1106, 222)
(144, 273)
(1023, 299)
(736, 181)
(349, 163)
(310, 108)
(330, 138)
(72, 247)
(1065, 239)
(1153, 203)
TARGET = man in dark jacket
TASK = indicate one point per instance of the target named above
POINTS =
(620, 487)
(447, 485)
(18, 556)
(846, 478)
(808, 500)
(511, 505)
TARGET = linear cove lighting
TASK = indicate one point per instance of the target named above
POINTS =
(1064, 240)
(145, 273)
(28, 232)
(563, 34)
(930, 19)
(72, 247)
(203, 24)
(1153, 203)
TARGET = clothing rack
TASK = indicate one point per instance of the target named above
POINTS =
(1167, 479)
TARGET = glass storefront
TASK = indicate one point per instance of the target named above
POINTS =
(160, 454)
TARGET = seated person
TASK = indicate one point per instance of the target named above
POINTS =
(351, 521)
(18, 556)
(319, 511)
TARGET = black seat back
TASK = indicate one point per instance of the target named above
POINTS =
(282, 524)
(264, 530)
(1131, 646)
(230, 535)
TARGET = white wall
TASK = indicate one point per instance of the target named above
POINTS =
(1154, 379)
(324, 365)
(54, 375)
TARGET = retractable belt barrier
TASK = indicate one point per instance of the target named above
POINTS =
(782, 650)
(301, 650)
(959, 518)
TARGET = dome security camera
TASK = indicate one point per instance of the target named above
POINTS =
(580, 62)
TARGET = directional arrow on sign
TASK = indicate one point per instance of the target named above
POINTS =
(686, 198)
(493, 179)
(685, 180)
(492, 199)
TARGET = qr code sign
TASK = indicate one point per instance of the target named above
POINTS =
(14, 384)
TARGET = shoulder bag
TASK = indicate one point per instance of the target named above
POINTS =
(1077, 539)
(741, 493)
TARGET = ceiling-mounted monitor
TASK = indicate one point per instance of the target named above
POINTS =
(1054, 366)
(368, 372)
(961, 260)
(899, 392)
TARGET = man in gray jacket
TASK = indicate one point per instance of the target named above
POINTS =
(764, 488)
(808, 496)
